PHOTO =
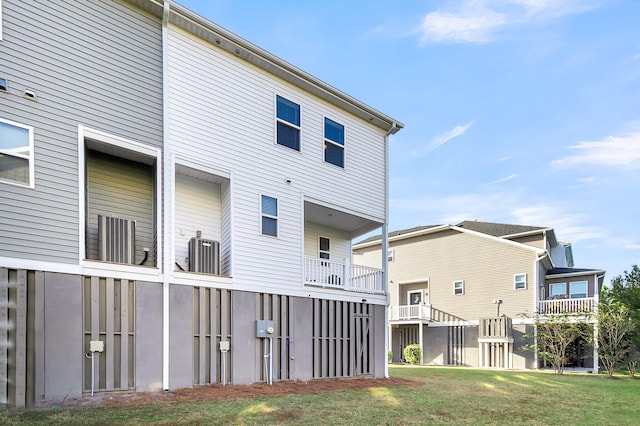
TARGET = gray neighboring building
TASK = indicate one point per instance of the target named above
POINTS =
(160, 208)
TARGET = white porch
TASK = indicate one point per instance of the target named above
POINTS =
(343, 275)
(583, 305)
(410, 312)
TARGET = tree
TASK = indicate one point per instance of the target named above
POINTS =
(625, 290)
(555, 335)
(615, 328)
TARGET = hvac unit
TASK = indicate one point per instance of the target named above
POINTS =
(204, 256)
(116, 239)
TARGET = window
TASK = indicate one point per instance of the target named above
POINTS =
(269, 216)
(458, 287)
(287, 123)
(520, 281)
(323, 245)
(333, 142)
(414, 297)
(16, 153)
(578, 289)
(390, 254)
(557, 291)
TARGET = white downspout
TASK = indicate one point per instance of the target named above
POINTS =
(166, 204)
(385, 247)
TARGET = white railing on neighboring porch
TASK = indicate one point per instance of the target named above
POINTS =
(584, 305)
(343, 275)
(409, 312)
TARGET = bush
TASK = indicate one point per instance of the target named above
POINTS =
(389, 356)
(412, 354)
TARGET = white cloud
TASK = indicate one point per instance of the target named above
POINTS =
(610, 151)
(441, 140)
(572, 227)
(504, 179)
(479, 21)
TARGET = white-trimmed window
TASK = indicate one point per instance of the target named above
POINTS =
(577, 289)
(16, 153)
(333, 142)
(269, 222)
(390, 255)
(557, 290)
(324, 248)
(458, 287)
(287, 123)
(414, 297)
(520, 281)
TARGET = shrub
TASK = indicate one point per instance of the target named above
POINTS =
(389, 356)
(412, 354)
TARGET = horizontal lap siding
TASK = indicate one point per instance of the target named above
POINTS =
(221, 112)
(94, 63)
(487, 268)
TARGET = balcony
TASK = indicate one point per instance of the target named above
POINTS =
(343, 276)
(583, 305)
(494, 329)
(410, 312)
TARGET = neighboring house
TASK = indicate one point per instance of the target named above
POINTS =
(179, 203)
(467, 294)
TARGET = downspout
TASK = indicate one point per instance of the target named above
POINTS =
(385, 246)
(166, 200)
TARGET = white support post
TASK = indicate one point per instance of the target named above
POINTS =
(421, 340)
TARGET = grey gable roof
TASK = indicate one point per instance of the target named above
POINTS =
(497, 229)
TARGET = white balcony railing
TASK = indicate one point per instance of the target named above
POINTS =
(343, 276)
(584, 305)
(410, 312)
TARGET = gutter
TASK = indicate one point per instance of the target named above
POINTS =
(385, 244)
(166, 202)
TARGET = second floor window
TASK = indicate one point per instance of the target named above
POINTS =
(458, 287)
(324, 246)
(269, 211)
(520, 281)
(333, 142)
(16, 153)
(578, 289)
(287, 123)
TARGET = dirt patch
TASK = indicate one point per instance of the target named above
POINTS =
(217, 392)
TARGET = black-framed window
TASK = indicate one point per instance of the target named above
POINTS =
(333, 142)
(287, 123)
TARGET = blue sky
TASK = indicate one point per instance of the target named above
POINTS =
(515, 111)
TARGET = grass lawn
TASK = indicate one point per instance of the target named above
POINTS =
(448, 395)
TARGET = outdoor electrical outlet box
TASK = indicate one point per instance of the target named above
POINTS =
(224, 346)
(264, 328)
(96, 346)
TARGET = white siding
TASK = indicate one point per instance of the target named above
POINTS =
(340, 245)
(221, 111)
(197, 208)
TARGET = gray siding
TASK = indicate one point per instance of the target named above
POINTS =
(96, 63)
(122, 189)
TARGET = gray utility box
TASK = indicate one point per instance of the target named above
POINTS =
(264, 328)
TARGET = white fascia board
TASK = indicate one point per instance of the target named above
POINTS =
(578, 274)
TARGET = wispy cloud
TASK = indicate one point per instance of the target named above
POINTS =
(504, 179)
(569, 226)
(441, 140)
(479, 21)
(610, 151)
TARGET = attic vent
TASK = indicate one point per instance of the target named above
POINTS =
(204, 256)
(3, 85)
(29, 94)
(116, 239)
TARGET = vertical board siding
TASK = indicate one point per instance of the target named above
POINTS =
(197, 208)
(211, 324)
(122, 189)
(109, 79)
(109, 317)
(14, 358)
(276, 308)
(343, 338)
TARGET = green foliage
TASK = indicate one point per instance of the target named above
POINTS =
(615, 332)
(412, 354)
(625, 289)
(559, 338)
(389, 356)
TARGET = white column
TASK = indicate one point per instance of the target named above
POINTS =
(595, 348)
(421, 340)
